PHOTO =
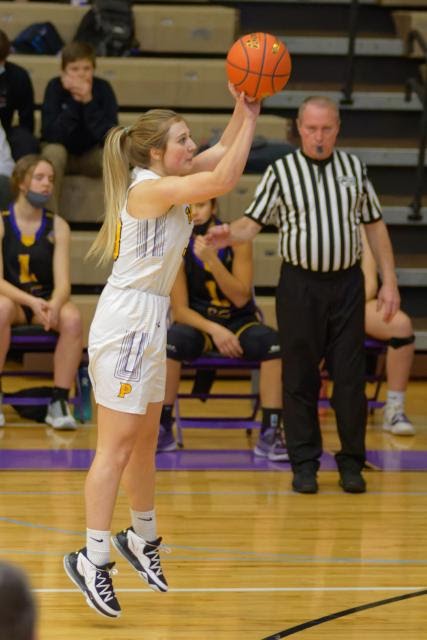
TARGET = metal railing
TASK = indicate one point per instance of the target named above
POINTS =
(414, 85)
(349, 72)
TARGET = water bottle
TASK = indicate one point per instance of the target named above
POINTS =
(84, 411)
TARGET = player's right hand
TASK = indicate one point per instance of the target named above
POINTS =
(226, 342)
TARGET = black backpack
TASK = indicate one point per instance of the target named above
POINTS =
(35, 412)
(40, 37)
(109, 28)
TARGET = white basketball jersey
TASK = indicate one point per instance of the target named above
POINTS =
(149, 251)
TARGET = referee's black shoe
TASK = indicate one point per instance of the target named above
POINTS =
(305, 479)
(351, 479)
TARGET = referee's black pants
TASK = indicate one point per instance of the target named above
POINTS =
(321, 315)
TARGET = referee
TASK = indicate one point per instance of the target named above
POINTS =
(318, 196)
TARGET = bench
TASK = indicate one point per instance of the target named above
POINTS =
(407, 21)
(158, 28)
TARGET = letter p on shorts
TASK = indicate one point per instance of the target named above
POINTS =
(125, 388)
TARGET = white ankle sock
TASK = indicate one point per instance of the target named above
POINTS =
(144, 524)
(396, 397)
(98, 546)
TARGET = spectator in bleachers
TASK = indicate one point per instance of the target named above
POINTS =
(6, 168)
(18, 615)
(213, 309)
(78, 110)
(399, 334)
(35, 279)
(16, 97)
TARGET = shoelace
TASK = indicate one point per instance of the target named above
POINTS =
(399, 417)
(154, 555)
(397, 413)
(104, 584)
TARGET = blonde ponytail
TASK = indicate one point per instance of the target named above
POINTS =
(116, 182)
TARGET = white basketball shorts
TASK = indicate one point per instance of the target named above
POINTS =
(127, 349)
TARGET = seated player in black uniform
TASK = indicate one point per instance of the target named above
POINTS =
(35, 278)
(399, 334)
(213, 309)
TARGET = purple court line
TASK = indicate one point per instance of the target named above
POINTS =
(199, 459)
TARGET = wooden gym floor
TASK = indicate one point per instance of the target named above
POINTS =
(250, 559)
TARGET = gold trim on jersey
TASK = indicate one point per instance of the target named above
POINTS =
(28, 241)
(209, 345)
(246, 326)
(189, 213)
(117, 240)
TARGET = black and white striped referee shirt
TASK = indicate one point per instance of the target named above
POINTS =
(317, 207)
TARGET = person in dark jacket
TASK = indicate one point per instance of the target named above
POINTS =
(18, 608)
(78, 110)
(16, 97)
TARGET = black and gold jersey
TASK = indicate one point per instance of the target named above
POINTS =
(28, 260)
(204, 294)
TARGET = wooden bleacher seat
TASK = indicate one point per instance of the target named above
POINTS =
(84, 272)
(406, 21)
(158, 28)
(204, 126)
(87, 305)
(233, 204)
(186, 29)
(266, 260)
(82, 198)
(185, 83)
(403, 3)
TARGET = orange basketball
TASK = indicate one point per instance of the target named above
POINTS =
(258, 64)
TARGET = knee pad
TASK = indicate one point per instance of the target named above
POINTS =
(396, 343)
(260, 342)
(184, 342)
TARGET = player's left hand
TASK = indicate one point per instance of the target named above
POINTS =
(53, 314)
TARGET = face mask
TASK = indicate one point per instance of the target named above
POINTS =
(37, 199)
(201, 229)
